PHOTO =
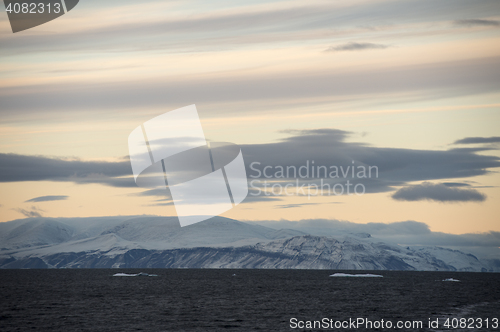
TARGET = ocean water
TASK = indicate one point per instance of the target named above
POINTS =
(241, 300)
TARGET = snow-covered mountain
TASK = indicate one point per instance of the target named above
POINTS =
(146, 241)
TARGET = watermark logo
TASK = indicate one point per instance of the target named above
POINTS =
(310, 179)
(26, 14)
(204, 179)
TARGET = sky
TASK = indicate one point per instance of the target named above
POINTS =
(409, 87)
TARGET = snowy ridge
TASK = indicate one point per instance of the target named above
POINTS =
(148, 241)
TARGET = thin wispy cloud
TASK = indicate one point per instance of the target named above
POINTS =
(454, 78)
(438, 193)
(478, 22)
(291, 206)
(32, 212)
(48, 198)
(455, 184)
(478, 140)
(356, 47)
(119, 25)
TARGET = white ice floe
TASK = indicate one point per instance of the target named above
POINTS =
(356, 275)
(451, 279)
(140, 274)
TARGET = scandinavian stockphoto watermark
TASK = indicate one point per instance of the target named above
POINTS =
(362, 323)
(204, 180)
(27, 14)
(310, 179)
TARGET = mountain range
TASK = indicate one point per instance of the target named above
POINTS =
(160, 242)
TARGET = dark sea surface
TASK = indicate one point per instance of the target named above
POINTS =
(239, 300)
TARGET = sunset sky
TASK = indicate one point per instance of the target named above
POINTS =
(412, 87)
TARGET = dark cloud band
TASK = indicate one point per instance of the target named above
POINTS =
(47, 198)
(439, 193)
(478, 22)
(478, 140)
(356, 47)
(396, 167)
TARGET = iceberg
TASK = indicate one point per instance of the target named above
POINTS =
(356, 275)
(140, 274)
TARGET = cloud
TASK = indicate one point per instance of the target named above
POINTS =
(478, 22)
(334, 226)
(324, 147)
(291, 206)
(255, 197)
(154, 193)
(335, 135)
(455, 184)
(396, 167)
(164, 197)
(48, 198)
(438, 192)
(215, 29)
(15, 167)
(356, 47)
(478, 140)
(406, 233)
(32, 212)
(451, 78)
(209, 27)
